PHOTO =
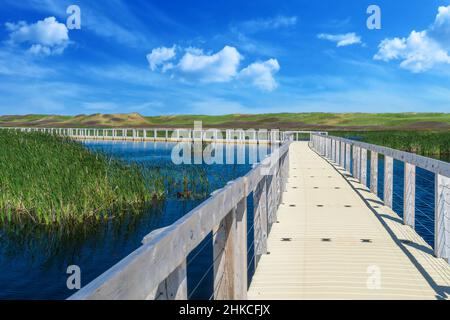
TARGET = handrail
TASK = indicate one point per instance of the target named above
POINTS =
(352, 156)
(157, 269)
(433, 165)
(178, 134)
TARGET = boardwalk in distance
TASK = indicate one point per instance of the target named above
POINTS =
(336, 240)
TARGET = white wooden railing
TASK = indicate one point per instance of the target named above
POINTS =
(166, 134)
(352, 155)
(157, 269)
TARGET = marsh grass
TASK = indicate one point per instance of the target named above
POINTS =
(424, 143)
(54, 180)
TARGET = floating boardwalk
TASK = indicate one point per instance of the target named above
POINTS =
(318, 230)
(336, 240)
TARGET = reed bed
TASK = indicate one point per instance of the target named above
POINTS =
(54, 180)
(424, 143)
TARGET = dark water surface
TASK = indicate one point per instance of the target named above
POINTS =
(33, 262)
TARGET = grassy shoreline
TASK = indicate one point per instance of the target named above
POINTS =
(54, 180)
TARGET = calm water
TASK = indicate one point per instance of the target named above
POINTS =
(33, 262)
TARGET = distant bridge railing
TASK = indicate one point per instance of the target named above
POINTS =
(171, 134)
(352, 155)
(157, 269)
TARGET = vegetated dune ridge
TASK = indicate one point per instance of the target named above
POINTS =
(284, 121)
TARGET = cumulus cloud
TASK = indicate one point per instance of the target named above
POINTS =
(261, 74)
(46, 36)
(418, 52)
(159, 57)
(218, 67)
(221, 66)
(341, 40)
(421, 50)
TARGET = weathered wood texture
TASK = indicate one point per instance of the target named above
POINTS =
(240, 257)
(260, 220)
(342, 155)
(347, 157)
(374, 172)
(409, 197)
(442, 217)
(363, 165)
(224, 240)
(388, 180)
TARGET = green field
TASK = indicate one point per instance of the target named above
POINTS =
(283, 121)
(54, 180)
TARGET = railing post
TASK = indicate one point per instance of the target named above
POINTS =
(240, 268)
(260, 220)
(174, 287)
(333, 149)
(374, 172)
(347, 157)
(363, 166)
(388, 180)
(409, 195)
(342, 155)
(338, 152)
(224, 245)
(355, 162)
(271, 197)
(442, 217)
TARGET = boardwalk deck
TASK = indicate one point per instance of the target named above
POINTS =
(336, 240)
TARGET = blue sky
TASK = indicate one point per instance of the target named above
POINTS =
(219, 57)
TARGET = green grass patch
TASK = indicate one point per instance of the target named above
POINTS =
(54, 180)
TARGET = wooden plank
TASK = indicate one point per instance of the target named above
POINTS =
(224, 241)
(388, 180)
(363, 164)
(356, 157)
(260, 220)
(240, 268)
(174, 287)
(442, 217)
(347, 157)
(409, 195)
(374, 172)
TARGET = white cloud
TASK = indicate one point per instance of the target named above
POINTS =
(218, 67)
(421, 50)
(341, 40)
(222, 66)
(261, 74)
(159, 56)
(46, 36)
(443, 17)
(418, 52)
